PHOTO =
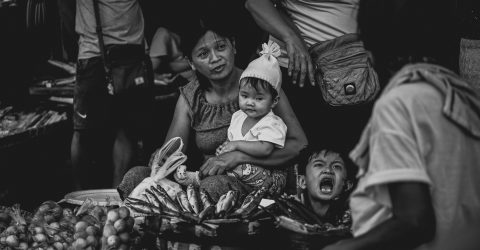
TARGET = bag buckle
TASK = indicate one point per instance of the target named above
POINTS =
(350, 88)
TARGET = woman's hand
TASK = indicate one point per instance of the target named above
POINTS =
(281, 26)
(226, 147)
(219, 164)
(299, 61)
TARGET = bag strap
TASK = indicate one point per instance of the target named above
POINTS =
(101, 43)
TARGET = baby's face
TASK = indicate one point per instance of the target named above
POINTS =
(255, 104)
(325, 175)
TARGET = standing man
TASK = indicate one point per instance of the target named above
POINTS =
(120, 108)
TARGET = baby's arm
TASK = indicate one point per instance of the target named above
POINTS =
(252, 148)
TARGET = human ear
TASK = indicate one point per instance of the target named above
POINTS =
(348, 185)
(232, 41)
(275, 101)
(191, 65)
(301, 182)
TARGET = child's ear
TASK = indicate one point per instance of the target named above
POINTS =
(275, 101)
(301, 182)
(233, 45)
(348, 185)
(191, 65)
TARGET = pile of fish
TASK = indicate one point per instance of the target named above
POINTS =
(291, 214)
(195, 205)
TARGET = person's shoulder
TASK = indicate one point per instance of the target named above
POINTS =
(409, 95)
(273, 118)
(190, 91)
(271, 121)
(191, 87)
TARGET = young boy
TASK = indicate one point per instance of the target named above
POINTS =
(325, 180)
(255, 129)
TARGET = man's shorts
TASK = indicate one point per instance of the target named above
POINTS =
(130, 106)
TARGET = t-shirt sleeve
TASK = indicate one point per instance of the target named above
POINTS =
(394, 154)
(235, 122)
(272, 130)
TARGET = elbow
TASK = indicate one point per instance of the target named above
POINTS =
(421, 229)
(249, 5)
(299, 145)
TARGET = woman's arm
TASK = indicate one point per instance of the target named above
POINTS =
(180, 125)
(281, 26)
(253, 148)
(412, 223)
(294, 143)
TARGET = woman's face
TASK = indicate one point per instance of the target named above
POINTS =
(213, 56)
(325, 175)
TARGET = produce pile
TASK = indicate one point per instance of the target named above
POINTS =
(293, 215)
(14, 122)
(195, 205)
(54, 227)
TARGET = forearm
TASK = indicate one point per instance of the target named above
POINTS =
(279, 158)
(412, 222)
(255, 148)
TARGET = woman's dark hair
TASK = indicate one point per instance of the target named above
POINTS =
(257, 83)
(195, 32)
(406, 31)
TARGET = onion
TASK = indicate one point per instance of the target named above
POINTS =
(12, 240)
(124, 237)
(23, 246)
(109, 230)
(80, 243)
(81, 226)
(112, 215)
(40, 238)
(10, 230)
(113, 241)
(58, 245)
(38, 230)
(120, 225)
(123, 212)
(92, 241)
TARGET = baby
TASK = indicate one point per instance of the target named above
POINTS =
(254, 129)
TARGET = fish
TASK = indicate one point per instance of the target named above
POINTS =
(228, 202)
(218, 207)
(251, 202)
(206, 213)
(183, 201)
(291, 224)
(140, 206)
(165, 200)
(193, 199)
(205, 198)
(152, 198)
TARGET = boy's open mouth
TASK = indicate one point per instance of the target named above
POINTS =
(326, 184)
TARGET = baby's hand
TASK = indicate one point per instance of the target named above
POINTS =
(225, 147)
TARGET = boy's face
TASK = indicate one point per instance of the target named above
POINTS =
(325, 175)
(256, 104)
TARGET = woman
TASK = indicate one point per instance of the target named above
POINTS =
(205, 107)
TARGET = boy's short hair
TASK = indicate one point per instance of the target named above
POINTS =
(258, 83)
(307, 153)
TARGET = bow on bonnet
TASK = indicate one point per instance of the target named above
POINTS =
(271, 49)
